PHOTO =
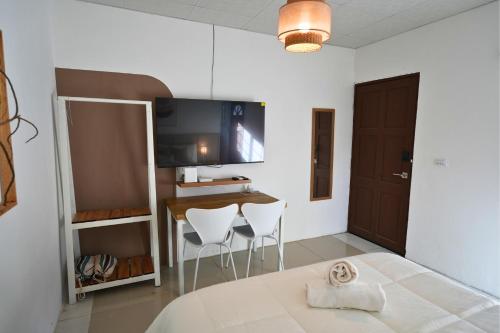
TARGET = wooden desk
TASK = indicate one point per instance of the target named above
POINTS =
(177, 207)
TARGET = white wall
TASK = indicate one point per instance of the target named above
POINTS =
(248, 66)
(30, 283)
(454, 221)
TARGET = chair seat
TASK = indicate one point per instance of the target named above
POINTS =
(193, 238)
(245, 230)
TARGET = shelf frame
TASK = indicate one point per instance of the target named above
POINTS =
(116, 283)
(68, 198)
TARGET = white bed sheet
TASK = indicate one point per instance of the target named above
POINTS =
(418, 300)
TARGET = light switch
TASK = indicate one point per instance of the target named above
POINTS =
(442, 162)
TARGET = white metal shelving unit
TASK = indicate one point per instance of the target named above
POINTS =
(71, 228)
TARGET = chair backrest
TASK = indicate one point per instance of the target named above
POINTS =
(212, 225)
(263, 218)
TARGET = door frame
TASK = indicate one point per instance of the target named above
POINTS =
(416, 76)
(313, 138)
(387, 79)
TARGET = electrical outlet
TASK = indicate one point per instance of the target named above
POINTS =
(442, 162)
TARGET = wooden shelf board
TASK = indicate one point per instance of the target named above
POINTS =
(122, 269)
(109, 214)
(126, 268)
(136, 266)
(215, 182)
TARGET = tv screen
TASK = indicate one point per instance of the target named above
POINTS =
(191, 132)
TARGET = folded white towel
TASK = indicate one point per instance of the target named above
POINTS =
(342, 272)
(362, 296)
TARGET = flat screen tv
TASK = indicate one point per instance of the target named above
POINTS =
(192, 132)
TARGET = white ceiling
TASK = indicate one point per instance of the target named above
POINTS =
(355, 22)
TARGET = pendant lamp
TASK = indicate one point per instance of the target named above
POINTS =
(304, 25)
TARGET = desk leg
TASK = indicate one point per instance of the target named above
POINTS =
(169, 239)
(281, 240)
(180, 255)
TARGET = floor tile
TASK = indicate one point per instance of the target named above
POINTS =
(360, 243)
(131, 318)
(74, 325)
(378, 249)
(257, 266)
(82, 308)
(329, 247)
(209, 273)
(344, 236)
(297, 255)
(114, 298)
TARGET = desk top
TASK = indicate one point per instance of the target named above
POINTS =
(178, 206)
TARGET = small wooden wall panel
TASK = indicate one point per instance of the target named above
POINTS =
(323, 121)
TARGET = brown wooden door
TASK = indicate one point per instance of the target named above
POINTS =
(323, 121)
(383, 134)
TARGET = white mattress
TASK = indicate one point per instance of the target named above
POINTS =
(418, 300)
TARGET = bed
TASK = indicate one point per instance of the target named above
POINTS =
(418, 300)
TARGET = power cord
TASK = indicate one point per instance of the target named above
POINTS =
(19, 119)
(213, 64)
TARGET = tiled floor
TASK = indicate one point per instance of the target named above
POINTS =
(132, 308)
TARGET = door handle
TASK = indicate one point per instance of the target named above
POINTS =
(403, 175)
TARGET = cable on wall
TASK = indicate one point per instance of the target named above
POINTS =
(213, 63)
(212, 79)
(16, 117)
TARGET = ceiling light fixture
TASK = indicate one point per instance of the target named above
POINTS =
(304, 25)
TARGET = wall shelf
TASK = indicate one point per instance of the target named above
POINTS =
(215, 182)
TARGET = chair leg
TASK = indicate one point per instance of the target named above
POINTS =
(250, 248)
(279, 253)
(232, 261)
(230, 245)
(196, 269)
(221, 258)
(262, 249)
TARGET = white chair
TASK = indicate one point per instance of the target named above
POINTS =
(212, 227)
(262, 221)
